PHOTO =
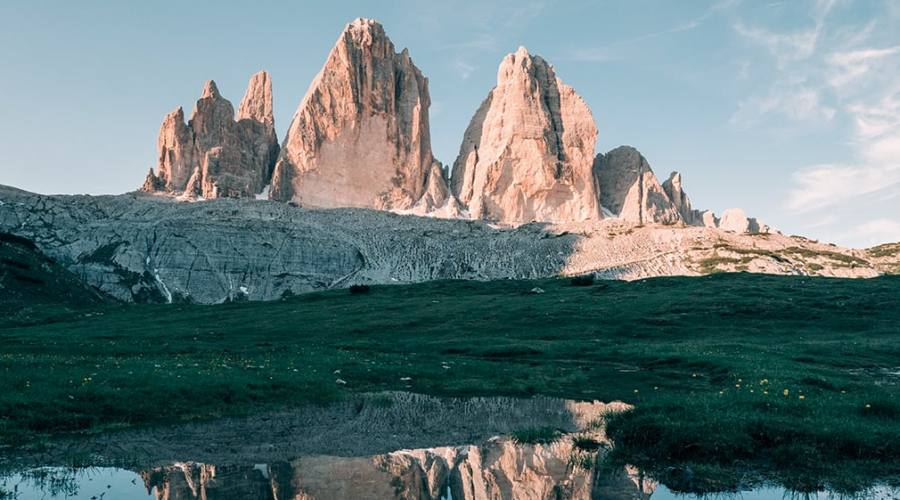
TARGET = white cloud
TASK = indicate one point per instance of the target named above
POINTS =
(875, 232)
(801, 104)
(825, 73)
(463, 68)
(822, 186)
(786, 48)
(849, 66)
(611, 52)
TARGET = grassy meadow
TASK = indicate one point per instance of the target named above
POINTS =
(734, 377)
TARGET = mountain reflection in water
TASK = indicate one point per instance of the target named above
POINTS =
(390, 445)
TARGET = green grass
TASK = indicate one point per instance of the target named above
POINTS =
(690, 353)
(537, 435)
(885, 250)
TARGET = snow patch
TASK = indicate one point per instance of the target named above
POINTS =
(263, 469)
(607, 213)
(264, 195)
(165, 289)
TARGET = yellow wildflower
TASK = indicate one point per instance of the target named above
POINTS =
(787, 392)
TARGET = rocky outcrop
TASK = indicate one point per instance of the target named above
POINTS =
(675, 191)
(629, 188)
(360, 137)
(526, 155)
(707, 218)
(736, 221)
(151, 248)
(214, 155)
(437, 200)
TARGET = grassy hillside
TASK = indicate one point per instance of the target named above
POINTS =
(34, 287)
(733, 375)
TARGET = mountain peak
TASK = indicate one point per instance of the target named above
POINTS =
(210, 90)
(527, 153)
(360, 137)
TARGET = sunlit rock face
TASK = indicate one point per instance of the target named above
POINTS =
(527, 153)
(629, 188)
(360, 137)
(215, 155)
(736, 221)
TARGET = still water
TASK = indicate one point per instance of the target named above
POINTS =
(388, 445)
(254, 483)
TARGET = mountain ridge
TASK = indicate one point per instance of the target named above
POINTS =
(361, 138)
(139, 247)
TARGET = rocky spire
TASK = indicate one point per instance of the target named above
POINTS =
(527, 153)
(674, 190)
(256, 127)
(257, 102)
(213, 155)
(176, 151)
(629, 188)
(360, 137)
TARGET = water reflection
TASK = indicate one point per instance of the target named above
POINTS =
(393, 445)
(348, 478)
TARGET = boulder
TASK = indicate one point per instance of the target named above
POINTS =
(735, 221)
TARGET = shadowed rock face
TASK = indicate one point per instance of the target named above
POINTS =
(526, 155)
(360, 137)
(675, 191)
(629, 188)
(214, 155)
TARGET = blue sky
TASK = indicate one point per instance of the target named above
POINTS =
(788, 109)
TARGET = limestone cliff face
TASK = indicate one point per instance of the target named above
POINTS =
(360, 137)
(629, 188)
(214, 155)
(527, 153)
(675, 191)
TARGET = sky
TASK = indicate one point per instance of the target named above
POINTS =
(787, 109)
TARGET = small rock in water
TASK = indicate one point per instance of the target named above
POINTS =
(536, 290)
(340, 381)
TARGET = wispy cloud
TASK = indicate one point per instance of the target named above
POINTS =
(874, 232)
(852, 65)
(794, 101)
(823, 72)
(785, 47)
(609, 52)
(463, 68)
(612, 51)
(822, 186)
